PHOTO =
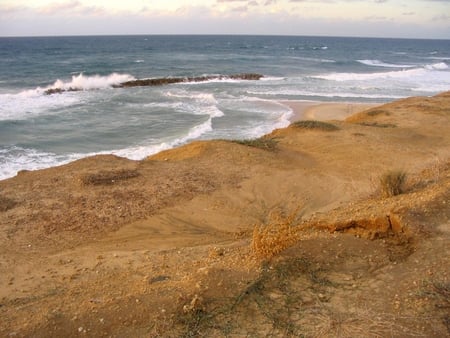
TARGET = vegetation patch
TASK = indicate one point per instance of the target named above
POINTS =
(6, 204)
(378, 125)
(376, 112)
(315, 125)
(273, 300)
(264, 143)
(438, 292)
(392, 183)
(108, 177)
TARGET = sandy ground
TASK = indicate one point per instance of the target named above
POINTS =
(311, 110)
(288, 235)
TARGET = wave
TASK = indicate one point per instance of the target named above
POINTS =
(317, 94)
(140, 152)
(438, 58)
(31, 103)
(378, 63)
(402, 74)
(14, 158)
(198, 103)
(82, 82)
(437, 66)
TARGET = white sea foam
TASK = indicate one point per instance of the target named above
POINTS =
(31, 103)
(342, 94)
(438, 58)
(82, 82)
(378, 63)
(199, 103)
(427, 70)
(14, 159)
(142, 151)
(437, 66)
(272, 78)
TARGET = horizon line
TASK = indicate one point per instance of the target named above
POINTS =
(220, 34)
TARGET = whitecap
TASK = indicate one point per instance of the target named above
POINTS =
(408, 74)
(437, 66)
(82, 82)
(378, 63)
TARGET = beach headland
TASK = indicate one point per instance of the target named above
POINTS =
(334, 226)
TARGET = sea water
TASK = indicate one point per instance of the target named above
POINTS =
(38, 130)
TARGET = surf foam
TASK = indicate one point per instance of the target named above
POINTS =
(82, 82)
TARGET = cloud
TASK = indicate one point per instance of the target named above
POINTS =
(71, 8)
(443, 17)
(291, 17)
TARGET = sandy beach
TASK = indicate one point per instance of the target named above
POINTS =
(293, 234)
(311, 110)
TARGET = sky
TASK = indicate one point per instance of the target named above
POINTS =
(368, 18)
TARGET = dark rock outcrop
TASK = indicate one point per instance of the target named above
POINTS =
(172, 80)
(168, 80)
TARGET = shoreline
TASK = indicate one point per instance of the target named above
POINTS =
(301, 110)
(323, 111)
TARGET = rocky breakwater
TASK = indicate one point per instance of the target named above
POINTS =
(172, 80)
(167, 80)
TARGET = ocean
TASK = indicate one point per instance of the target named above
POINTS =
(39, 130)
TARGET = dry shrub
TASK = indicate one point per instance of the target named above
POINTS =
(314, 125)
(108, 177)
(279, 234)
(392, 183)
(378, 125)
(264, 143)
(375, 112)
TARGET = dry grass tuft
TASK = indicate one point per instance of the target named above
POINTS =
(108, 177)
(279, 234)
(392, 183)
(315, 125)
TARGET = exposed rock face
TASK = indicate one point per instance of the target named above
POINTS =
(168, 80)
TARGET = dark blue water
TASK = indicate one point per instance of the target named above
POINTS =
(37, 130)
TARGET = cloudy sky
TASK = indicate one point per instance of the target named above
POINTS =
(374, 18)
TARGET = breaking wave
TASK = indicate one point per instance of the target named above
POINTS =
(82, 82)
(378, 63)
(425, 71)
